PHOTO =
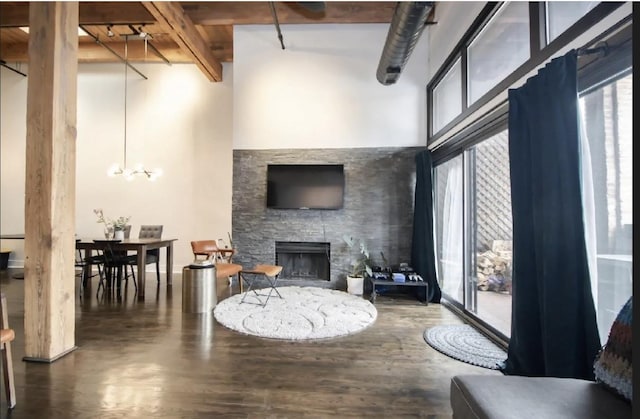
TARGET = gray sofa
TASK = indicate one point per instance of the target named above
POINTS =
(515, 397)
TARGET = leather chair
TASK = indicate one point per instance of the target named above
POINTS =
(222, 258)
(7, 335)
(153, 255)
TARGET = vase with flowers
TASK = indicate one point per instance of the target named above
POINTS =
(113, 228)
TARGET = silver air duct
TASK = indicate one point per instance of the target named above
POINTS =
(409, 19)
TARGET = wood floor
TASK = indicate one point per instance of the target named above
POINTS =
(149, 360)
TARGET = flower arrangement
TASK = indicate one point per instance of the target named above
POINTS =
(117, 224)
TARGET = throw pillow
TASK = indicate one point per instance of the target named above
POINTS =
(613, 366)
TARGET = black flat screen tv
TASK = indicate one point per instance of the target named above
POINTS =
(305, 186)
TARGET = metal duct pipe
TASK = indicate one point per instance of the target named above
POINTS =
(409, 19)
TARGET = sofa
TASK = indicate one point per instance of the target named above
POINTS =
(515, 397)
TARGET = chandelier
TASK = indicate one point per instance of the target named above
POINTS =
(138, 170)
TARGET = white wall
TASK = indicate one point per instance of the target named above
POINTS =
(176, 120)
(321, 91)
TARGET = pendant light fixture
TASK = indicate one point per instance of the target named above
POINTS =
(127, 172)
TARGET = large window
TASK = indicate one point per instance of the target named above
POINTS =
(500, 48)
(472, 184)
(449, 228)
(474, 231)
(607, 113)
(491, 232)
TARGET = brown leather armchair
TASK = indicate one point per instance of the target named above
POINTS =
(222, 258)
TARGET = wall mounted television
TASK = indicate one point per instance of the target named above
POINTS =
(305, 186)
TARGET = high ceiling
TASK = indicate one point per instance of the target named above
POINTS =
(178, 32)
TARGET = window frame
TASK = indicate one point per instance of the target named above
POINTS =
(540, 51)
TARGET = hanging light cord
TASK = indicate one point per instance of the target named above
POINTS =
(126, 55)
(275, 20)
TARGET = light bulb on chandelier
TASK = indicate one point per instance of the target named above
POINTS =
(115, 169)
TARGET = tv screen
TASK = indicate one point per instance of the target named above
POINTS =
(305, 186)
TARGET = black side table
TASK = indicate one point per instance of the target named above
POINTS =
(388, 282)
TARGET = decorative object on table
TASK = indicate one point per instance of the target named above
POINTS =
(466, 344)
(127, 172)
(303, 313)
(113, 229)
(360, 265)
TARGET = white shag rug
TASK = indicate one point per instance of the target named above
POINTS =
(302, 313)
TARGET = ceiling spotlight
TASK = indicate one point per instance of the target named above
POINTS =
(141, 32)
(110, 33)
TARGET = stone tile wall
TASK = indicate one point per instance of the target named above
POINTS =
(378, 207)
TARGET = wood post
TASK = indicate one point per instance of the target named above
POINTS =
(49, 303)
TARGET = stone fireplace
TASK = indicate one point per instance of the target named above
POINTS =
(304, 260)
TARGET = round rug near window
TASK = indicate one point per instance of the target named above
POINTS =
(302, 313)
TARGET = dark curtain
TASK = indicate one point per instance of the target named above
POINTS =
(423, 259)
(553, 330)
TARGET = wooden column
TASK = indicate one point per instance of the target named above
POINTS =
(49, 303)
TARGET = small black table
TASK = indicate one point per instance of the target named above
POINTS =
(388, 282)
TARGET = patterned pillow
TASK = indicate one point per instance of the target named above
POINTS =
(613, 366)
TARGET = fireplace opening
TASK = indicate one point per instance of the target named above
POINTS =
(304, 260)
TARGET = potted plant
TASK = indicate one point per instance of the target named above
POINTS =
(360, 265)
(112, 228)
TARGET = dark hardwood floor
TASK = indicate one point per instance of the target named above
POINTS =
(149, 360)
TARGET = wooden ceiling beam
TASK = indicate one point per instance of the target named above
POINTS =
(91, 52)
(171, 16)
(258, 12)
(15, 14)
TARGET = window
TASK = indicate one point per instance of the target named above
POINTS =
(500, 48)
(562, 14)
(491, 232)
(447, 97)
(607, 113)
(449, 227)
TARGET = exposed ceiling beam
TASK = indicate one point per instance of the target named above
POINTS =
(171, 16)
(91, 52)
(15, 14)
(258, 12)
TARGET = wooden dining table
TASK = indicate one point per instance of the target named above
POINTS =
(140, 246)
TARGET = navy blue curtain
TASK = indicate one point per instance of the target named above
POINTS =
(554, 330)
(423, 259)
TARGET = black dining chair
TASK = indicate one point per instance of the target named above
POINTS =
(114, 264)
(153, 255)
(84, 267)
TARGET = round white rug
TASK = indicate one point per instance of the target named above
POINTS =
(301, 313)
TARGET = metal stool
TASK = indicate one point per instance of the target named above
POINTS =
(251, 277)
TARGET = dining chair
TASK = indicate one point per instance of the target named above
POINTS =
(84, 265)
(114, 264)
(153, 255)
(7, 335)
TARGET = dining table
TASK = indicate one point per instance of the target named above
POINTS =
(140, 246)
(17, 236)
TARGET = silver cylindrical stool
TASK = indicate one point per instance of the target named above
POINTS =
(198, 288)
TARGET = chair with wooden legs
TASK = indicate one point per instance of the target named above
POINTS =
(7, 335)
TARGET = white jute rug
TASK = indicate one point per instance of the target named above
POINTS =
(302, 313)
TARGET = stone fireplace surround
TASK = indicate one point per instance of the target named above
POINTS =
(378, 208)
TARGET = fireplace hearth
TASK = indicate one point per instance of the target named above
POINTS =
(304, 260)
